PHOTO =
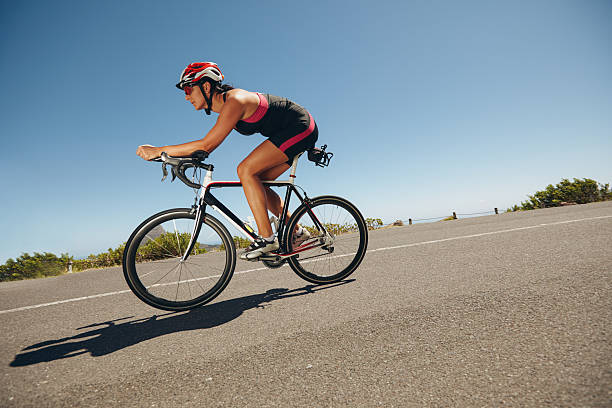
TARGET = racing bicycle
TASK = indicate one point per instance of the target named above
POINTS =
(182, 258)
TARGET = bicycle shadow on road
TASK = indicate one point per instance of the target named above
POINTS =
(108, 337)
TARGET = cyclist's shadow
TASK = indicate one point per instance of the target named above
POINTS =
(108, 337)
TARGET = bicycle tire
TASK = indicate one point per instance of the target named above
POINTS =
(348, 237)
(152, 263)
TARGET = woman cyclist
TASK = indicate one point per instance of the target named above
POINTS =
(289, 129)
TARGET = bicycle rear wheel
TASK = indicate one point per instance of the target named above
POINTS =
(339, 233)
(153, 263)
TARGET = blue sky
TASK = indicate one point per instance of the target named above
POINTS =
(429, 106)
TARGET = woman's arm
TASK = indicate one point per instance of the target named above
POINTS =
(232, 111)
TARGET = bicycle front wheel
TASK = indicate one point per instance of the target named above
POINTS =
(337, 234)
(157, 270)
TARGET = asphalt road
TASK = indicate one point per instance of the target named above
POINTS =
(509, 309)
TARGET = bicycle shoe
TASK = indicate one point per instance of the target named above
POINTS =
(259, 247)
(301, 236)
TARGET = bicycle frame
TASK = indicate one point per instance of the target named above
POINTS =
(206, 198)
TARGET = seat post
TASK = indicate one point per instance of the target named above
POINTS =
(293, 168)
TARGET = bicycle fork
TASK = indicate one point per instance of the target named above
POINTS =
(197, 226)
(199, 217)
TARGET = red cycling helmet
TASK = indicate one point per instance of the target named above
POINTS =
(196, 72)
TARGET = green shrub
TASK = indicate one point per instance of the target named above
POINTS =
(34, 266)
(574, 192)
(167, 245)
(239, 242)
(334, 229)
(373, 223)
(112, 257)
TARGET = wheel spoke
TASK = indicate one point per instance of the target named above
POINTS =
(167, 273)
(159, 245)
(179, 281)
(178, 241)
(149, 273)
(197, 281)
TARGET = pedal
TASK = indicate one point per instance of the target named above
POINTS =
(270, 258)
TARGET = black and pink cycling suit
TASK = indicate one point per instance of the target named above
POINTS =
(288, 125)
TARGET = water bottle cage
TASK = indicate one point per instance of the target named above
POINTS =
(320, 157)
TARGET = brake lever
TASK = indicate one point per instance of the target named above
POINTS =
(173, 173)
(164, 171)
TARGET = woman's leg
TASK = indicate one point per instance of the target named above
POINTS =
(273, 201)
(251, 170)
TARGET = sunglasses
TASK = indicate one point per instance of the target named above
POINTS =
(188, 90)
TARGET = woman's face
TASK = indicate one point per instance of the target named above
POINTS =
(194, 95)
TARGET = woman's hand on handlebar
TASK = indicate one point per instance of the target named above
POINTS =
(148, 152)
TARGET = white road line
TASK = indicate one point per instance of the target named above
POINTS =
(59, 302)
(456, 238)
